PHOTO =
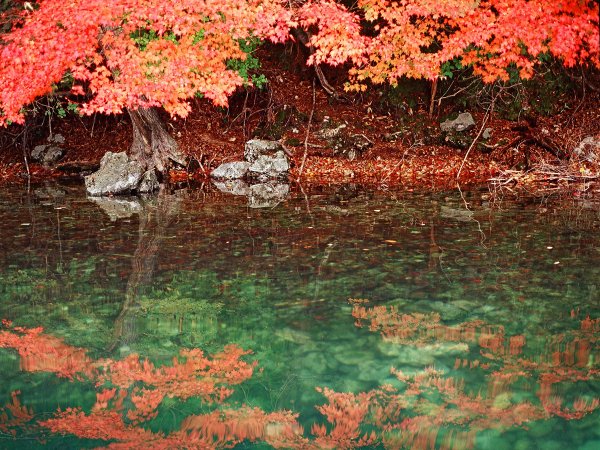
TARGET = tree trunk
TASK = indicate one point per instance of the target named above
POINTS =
(152, 147)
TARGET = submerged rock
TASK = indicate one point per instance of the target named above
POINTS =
(119, 175)
(460, 214)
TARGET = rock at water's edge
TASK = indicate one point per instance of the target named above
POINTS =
(149, 182)
(117, 175)
(231, 170)
(265, 167)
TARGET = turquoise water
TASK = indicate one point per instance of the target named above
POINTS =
(358, 320)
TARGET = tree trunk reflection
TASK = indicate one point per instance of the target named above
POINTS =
(155, 217)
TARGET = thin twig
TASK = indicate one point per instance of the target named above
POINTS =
(310, 117)
(484, 123)
(24, 146)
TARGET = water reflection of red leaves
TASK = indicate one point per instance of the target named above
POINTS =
(568, 358)
(104, 425)
(219, 429)
(145, 403)
(226, 428)
(14, 415)
(429, 410)
(419, 329)
(346, 413)
(43, 353)
(191, 375)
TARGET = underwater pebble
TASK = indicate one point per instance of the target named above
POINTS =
(524, 444)
(415, 357)
(448, 311)
(541, 429)
(503, 401)
(465, 305)
(493, 440)
(547, 444)
(389, 349)
(372, 371)
(351, 357)
(314, 361)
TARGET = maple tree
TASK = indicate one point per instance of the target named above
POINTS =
(416, 38)
(134, 55)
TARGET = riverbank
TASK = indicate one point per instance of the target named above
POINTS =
(369, 140)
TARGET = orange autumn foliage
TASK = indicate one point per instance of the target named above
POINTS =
(191, 375)
(142, 53)
(133, 53)
(414, 38)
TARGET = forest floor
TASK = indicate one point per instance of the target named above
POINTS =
(403, 144)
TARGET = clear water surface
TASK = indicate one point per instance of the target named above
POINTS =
(339, 318)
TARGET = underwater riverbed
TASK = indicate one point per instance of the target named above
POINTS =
(336, 318)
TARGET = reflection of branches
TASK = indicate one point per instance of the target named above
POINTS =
(423, 410)
(567, 360)
(14, 415)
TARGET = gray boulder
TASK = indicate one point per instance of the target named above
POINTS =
(266, 167)
(231, 170)
(51, 153)
(463, 122)
(267, 195)
(328, 132)
(56, 139)
(264, 160)
(47, 154)
(255, 148)
(119, 175)
(342, 143)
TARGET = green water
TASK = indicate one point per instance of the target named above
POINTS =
(490, 313)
